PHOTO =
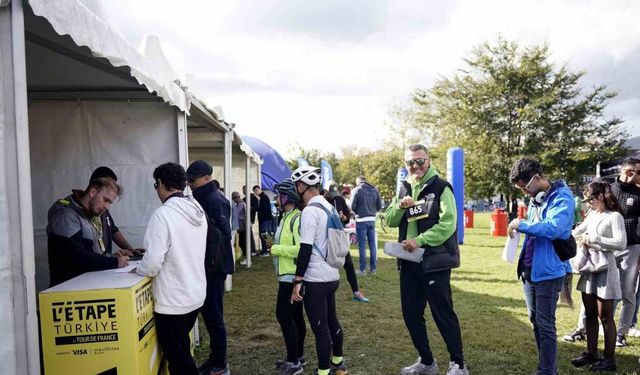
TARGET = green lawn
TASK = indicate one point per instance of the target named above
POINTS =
(497, 335)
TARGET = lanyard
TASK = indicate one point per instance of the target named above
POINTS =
(96, 222)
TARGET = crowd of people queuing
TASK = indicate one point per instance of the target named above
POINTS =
(188, 277)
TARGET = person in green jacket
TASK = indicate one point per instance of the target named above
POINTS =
(284, 248)
(425, 213)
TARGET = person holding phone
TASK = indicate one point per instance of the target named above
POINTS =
(285, 248)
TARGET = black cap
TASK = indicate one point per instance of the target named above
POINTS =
(198, 169)
(101, 172)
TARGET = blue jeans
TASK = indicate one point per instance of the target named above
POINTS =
(542, 300)
(366, 231)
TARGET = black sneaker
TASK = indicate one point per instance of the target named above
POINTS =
(289, 368)
(576, 335)
(280, 363)
(604, 364)
(584, 359)
(621, 341)
(205, 368)
(338, 369)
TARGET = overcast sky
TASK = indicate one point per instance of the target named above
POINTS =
(324, 73)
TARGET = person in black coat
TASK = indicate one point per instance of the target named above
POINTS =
(253, 210)
(218, 208)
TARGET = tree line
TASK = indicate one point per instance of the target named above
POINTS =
(508, 101)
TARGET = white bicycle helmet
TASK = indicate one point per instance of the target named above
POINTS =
(307, 174)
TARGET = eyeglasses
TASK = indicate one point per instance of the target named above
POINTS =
(420, 162)
(526, 187)
(155, 185)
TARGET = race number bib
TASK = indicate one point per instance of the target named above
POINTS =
(417, 211)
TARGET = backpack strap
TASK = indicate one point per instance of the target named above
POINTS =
(292, 224)
(315, 247)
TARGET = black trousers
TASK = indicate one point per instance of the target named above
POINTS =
(351, 273)
(213, 316)
(320, 305)
(243, 240)
(173, 337)
(291, 321)
(416, 289)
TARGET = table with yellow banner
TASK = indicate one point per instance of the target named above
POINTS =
(99, 323)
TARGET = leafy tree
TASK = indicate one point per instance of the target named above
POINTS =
(512, 101)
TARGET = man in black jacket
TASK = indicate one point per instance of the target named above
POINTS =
(218, 209)
(74, 232)
(265, 218)
(253, 210)
(628, 195)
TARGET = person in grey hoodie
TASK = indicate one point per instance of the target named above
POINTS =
(175, 240)
(365, 204)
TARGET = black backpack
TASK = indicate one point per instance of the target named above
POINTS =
(214, 256)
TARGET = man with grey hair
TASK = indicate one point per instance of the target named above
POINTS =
(365, 204)
(425, 214)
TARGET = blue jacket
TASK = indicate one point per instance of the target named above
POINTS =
(365, 201)
(556, 220)
(219, 210)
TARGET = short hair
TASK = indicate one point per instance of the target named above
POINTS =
(171, 175)
(103, 172)
(524, 169)
(418, 147)
(216, 183)
(362, 178)
(255, 187)
(235, 195)
(102, 183)
(628, 162)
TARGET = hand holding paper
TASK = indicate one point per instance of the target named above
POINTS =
(510, 248)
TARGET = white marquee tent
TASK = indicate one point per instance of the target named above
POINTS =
(75, 95)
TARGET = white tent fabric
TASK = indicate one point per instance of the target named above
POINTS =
(86, 29)
(70, 139)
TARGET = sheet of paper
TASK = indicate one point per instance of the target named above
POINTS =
(128, 268)
(511, 247)
(395, 249)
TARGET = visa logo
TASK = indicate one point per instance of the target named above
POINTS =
(80, 352)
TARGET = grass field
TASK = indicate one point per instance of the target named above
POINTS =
(497, 336)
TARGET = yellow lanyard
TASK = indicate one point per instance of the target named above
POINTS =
(96, 221)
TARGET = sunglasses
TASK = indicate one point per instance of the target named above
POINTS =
(526, 187)
(589, 199)
(420, 162)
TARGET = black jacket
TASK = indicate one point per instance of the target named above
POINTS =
(628, 196)
(219, 210)
(341, 205)
(73, 243)
(264, 209)
(253, 206)
(439, 258)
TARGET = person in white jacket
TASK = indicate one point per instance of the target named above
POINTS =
(175, 240)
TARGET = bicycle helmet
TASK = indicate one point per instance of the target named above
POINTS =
(288, 188)
(307, 174)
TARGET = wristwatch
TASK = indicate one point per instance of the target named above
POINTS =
(296, 282)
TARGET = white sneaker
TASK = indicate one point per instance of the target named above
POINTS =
(419, 368)
(634, 332)
(454, 369)
(243, 262)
